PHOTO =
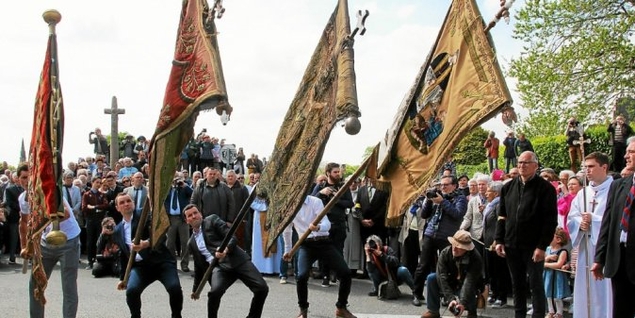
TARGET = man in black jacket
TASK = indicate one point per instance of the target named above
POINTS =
(12, 209)
(527, 220)
(458, 273)
(337, 214)
(150, 263)
(233, 262)
(175, 202)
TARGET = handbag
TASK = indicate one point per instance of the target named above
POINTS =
(389, 289)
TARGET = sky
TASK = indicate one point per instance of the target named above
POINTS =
(125, 49)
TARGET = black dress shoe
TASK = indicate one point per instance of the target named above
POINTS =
(185, 269)
(372, 293)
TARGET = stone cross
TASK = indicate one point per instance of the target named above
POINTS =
(114, 113)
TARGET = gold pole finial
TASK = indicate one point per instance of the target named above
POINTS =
(52, 16)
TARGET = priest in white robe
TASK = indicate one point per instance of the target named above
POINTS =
(584, 222)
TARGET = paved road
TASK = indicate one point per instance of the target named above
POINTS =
(99, 298)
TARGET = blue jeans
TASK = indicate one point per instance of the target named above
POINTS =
(493, 163)
(68, 256)
(434, 296)
(284, 266)
(326, 252)
(143, 274)
(403, 276)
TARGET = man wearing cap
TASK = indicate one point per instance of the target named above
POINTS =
(458, 277)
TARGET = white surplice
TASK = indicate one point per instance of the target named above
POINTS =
(601, 302)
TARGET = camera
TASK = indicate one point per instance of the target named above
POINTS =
(372, 244)
(432, 193)
(454, 310)
(109, 227)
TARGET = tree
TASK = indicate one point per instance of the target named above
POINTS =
(470, 150)
(577, 62)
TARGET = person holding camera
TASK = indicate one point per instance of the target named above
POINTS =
(491, 145)
(127, 147)
(444, 211)
(371, 203)
(381, 261)
(619, 131)
(458, 278)
(101, 143)
(174, 204)
(108, 252)
(573, 133)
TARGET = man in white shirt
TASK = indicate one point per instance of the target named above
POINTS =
(67, 255)
(317, 246)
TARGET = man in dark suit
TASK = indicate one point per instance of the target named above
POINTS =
(233, 262)
(177, 199)
(150, 263)
(12, 209)
(372, 205)
(615, 251)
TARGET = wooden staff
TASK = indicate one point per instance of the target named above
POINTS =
(239, 218)
(329, 205)
(137, 239)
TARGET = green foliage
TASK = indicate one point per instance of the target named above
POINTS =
(554, 153)
(121, 134)
(470, 170)
(578, 60)
(470, 150)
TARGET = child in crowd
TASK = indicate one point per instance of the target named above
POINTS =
(555, 280)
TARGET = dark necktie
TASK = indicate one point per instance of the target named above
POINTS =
(175, 195)
(626, 213)
(68, 195)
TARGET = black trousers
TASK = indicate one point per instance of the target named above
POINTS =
(93, 229)
(222, 279)
(623, 304)
(520, 265)
(498, 275)
(326, 252)
(427, 261)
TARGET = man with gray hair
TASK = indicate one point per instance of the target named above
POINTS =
(527, 220)
(73, 196)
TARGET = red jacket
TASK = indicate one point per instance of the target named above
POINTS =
(491, 146)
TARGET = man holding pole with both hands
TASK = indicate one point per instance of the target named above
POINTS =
(317, 245)
(233, 264)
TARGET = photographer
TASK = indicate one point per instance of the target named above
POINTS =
(444, 210)
(382, 261)
(108, 252)
(174, 203)
(619, 132)
(101, 143)
(458, 278)
(574, 132)
(128, 146)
